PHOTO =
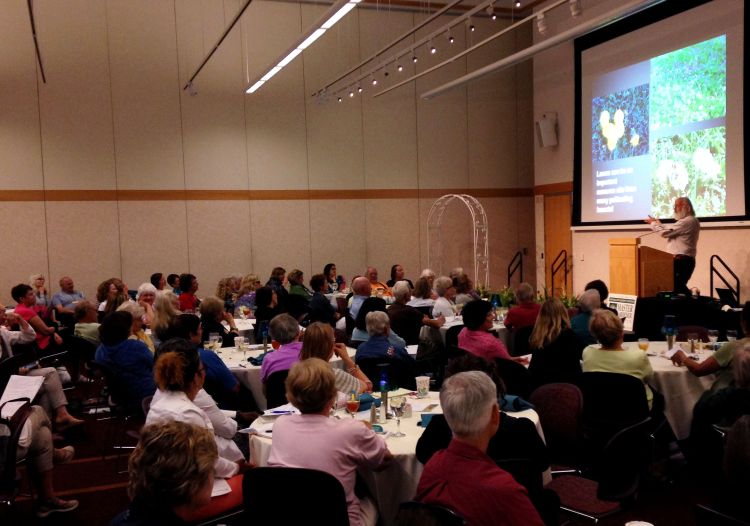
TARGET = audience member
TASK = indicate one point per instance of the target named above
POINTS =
(397, 274)
(41, 295)
(320, 307)
(171, 473)
(226, 293)
(297, 284)
(173, 280)
(146, 297)
(25, 298)
(266, 306)
(276, 282)
(429, 275)
(212, 314)
(526, 310)
(314, 441)
(336, 282)
(422, 297)
(284, 331)
(158, 280)
(130, 360)
(65, 301)
(378, 345)
(362, 290)
(166, 308)
(555, 349)
(444, 305)
(588, 302)
(188, 300)
(376, 287)
(137, 312)
(601, 287)
(611, 357)
(111, 294)
(87, 324)
(246, 294)
(407, 320)
(319, 342)
(464, 289)
(475, 336)
(462, 477)
(360, 334)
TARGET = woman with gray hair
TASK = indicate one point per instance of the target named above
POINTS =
(379, 346)
(136, 332)
(446, 294)
(285, 333)
(146, 296)
(587, 303)
(462, 477)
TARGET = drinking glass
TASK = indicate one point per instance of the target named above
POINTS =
(215, 340)
(713, 337)
(643, 344)
(352, 405)
(397, 405)
(694, 340)
(731, 335)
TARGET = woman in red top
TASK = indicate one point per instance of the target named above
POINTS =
(24, 295)
(188, 301)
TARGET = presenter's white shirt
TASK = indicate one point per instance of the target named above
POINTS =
(682, 237)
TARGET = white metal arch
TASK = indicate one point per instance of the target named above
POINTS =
(480, 234)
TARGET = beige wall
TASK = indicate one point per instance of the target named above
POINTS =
(112, 117)
(554, 89)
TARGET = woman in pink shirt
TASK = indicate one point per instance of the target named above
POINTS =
(26, 298)
(475, 338)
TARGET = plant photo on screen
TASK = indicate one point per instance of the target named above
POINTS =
(620, 124)
(692, 165)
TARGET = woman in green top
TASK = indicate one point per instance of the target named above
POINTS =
(297, 284)
(610, 357)
(721, 361)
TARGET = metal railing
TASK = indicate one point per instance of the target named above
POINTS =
(560, 262)
(516, 265)
(715, 271)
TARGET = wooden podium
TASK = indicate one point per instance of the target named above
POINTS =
(639, 270)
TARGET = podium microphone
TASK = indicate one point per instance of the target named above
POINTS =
(648, 233)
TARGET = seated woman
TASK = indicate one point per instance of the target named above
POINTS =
(171, 473)
(422, 296)
(719, 362)
(42, 296)
(226, 293)
(723, 408)
(397, 274)
(284, 332)
(145, 297)
(408, 320)
(319, 342)
(130, 360)
(446, 294)
(35, 445)
(158, 280)
(314, 441)
(464, 289)
(379, 344)
(321, 308)
(297, 284)
(189, 302)
(360, 333)
(136, 331)
(246, 294)
(526, 310)
(166, 309)
(180, 375)
(51, 396)
(87, 322)
(580, 323)
(111, 294)
(555, 349)
(46, 335)
(212, 314)
(336, 282)
(475, 336)
(276, 282)
(610, 357)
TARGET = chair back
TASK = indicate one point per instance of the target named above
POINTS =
(117, 389)
(400, 373)
(520, 341)
(560, 410)
(619, 466)
(684, 330)
(275, 389)
(611, 401)
(146, 405)
(8, 473)
(414, 513)
(516, 378)
(451, 336)
(737, 455)
(9, 367)
(81, 348)
(320, 498)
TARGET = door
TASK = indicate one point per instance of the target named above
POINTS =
(557, 237)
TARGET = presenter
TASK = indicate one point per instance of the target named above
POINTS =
(682, 240)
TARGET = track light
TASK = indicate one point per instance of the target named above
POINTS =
(471, 26)
(414, 58)
(518, 4)
(491, 11)
(433, 49)
(339, 99)
(374, 81)
(359, 89)
(451, 39)
(400, 68)
(351, 94)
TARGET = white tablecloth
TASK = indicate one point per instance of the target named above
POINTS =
(249, 374)
(681, 388)
(398, 482)
(498, 328)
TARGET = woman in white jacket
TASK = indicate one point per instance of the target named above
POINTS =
(179, 376)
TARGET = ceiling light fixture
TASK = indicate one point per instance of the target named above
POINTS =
(328, 20)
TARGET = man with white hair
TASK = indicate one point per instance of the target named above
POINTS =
(682, 241)
(361, 290)
(587, 302)
(406, 320)
(462, 477)
(526, 310)
(378, 346)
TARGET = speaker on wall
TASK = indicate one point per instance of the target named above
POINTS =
(546, 129)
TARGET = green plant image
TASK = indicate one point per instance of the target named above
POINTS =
(689, 85)
(692, 165)
(620, 124)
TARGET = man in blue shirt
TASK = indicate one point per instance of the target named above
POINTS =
(65, 301)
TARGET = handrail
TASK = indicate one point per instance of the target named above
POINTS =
(556, 265)
(735, 290)
(516, 264)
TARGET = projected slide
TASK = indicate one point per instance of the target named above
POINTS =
(658, 131)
